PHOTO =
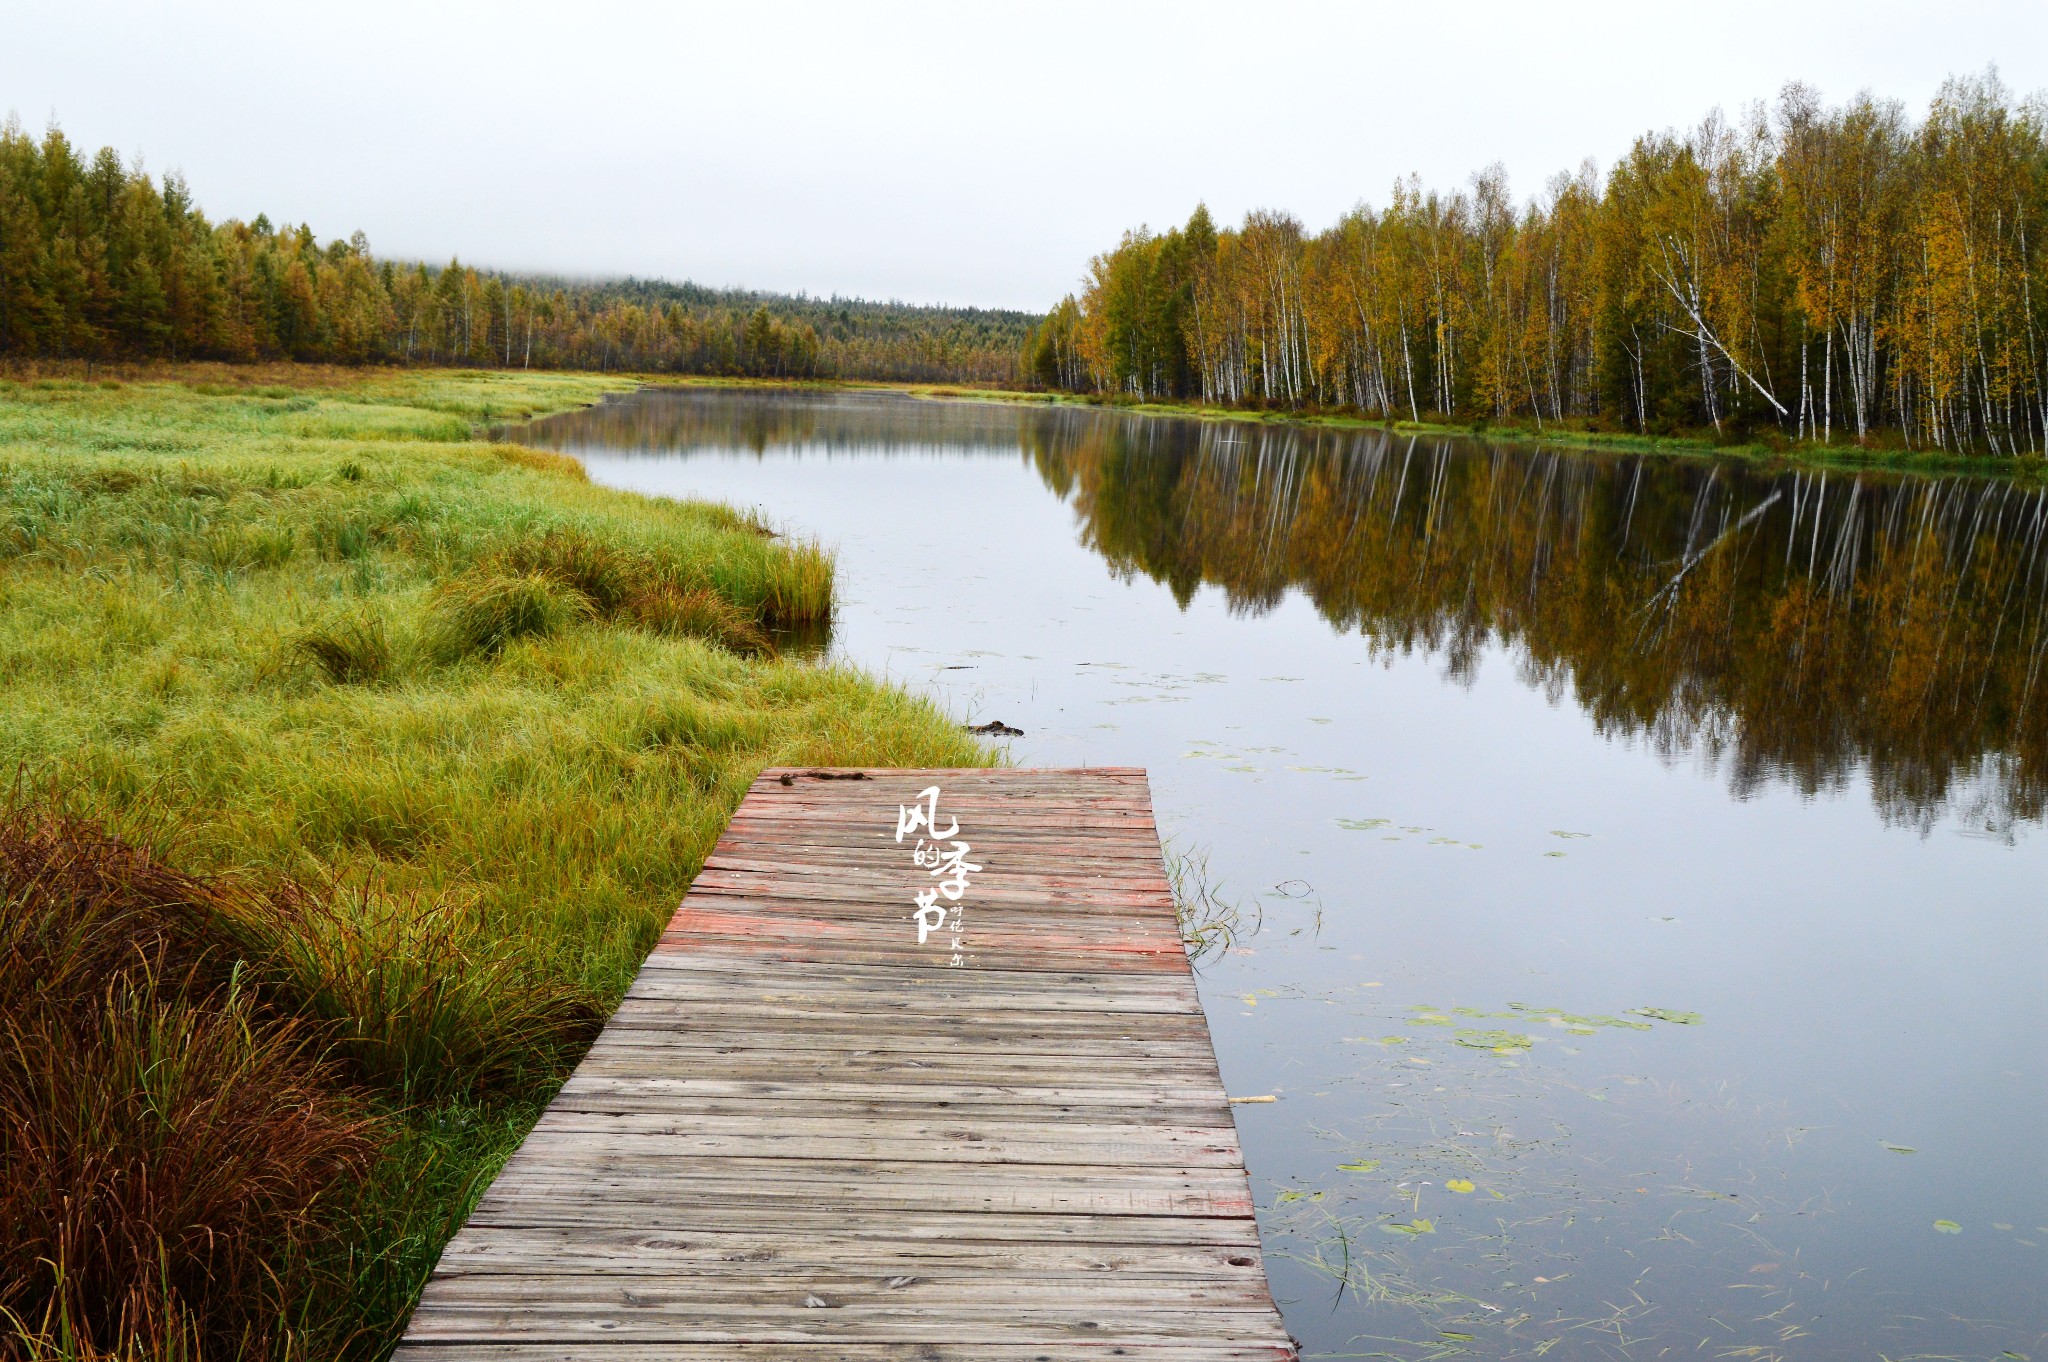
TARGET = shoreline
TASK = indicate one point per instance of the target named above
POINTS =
(1755, 453)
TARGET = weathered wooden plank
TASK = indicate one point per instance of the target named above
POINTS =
(944, 1095)
(1133, 840)
(542, 1250)
(847, 1351)
(789, 944)
(860, 922)
(910, 1140)
(908, 974)
(1028, 830)
(881, 866)
(933, 1290)
(561, 1315)
(679, 966)
(1102, 922)
(901, 1066)
(885, 890)
(988, 1053)
(890, 1227)
(620, 1100)
(804, 1136)
(940, 998)
(689, 1020)
(705, 1043)
(893, 1180)
(538, 1190)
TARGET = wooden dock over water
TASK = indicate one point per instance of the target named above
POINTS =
(876, 1098)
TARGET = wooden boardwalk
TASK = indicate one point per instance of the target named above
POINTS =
(810, 1134)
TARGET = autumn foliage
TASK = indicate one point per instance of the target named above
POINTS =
(1821, 273)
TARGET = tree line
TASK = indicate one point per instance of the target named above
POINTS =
(1824, 273)
(99, 260)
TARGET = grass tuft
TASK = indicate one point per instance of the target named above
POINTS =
(698, 613)
(420, 1004)
(667, 595)
(478, 614)
(604, 574)
(355, 651)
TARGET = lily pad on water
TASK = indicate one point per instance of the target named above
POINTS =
(1416, 1226)
(1558, 1016)
(1666, 1014)
(1363, 824)
(1459, 1185)
(1499, 1042)
(1947, 1227)
(1361, 1166)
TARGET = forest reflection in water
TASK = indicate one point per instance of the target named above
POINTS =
(1794, 625)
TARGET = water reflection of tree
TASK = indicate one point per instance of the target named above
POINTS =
(1794, 626)
(726, 420)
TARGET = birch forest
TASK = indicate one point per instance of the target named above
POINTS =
(100, 261)
(1804, 272)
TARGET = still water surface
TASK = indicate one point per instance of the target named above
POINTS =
(1648, 851)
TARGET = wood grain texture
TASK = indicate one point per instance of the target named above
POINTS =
(806, 1137)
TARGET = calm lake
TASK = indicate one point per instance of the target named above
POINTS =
(1637, 862)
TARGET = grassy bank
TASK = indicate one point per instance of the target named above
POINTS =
(360, 762)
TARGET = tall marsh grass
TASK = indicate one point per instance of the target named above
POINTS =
(438, 733)
(170, 1135)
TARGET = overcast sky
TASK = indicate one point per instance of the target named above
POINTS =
(948, 152)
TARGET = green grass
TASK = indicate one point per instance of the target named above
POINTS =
(479, 720)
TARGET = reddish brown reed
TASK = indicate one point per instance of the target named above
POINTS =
(168, 1140)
